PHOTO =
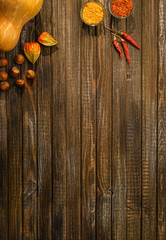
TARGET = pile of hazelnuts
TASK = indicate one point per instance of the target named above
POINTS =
(14, 73)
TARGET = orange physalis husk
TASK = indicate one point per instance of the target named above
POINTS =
(47, 40)
(32, 51)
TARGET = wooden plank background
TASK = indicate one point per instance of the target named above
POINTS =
(83, 146)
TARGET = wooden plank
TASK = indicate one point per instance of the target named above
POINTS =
(59, 120)
(119, 143)
(14, 113)
(88, 75)
(73, 120)
(29, 145)
(45, 131)
(149, 117)
(162, 123)
(104, 127)
(4, 165)
(133, 128)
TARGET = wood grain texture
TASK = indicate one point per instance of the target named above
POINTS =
(149, 118)
(73, 111)
(4, 165)
(82, 147)
(119, 125)
(14, 135)
(104, 130)
(88, 76)
(44, 131)
(58, 58)
(133, 128)
(162, 123)
(59, 122)
(29, 145)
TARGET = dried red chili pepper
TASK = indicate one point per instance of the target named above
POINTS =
(125, 49)
(130, 39)
(124, 45)
(126, 36)
(117, 47)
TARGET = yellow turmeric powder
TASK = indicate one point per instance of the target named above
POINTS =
(93, 13)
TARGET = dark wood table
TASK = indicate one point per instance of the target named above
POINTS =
(83, 147)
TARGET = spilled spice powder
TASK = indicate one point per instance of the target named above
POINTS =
(93, 13)
(121, 8)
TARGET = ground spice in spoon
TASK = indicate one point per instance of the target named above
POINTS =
(121, 8)
(93, 13)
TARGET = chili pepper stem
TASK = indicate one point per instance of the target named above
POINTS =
(121, 30)
(112, 30)
(117, 36)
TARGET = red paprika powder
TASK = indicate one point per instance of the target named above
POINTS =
(121, 8)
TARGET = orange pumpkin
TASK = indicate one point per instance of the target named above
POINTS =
(13, 16)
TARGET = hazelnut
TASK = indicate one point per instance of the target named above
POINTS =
(20, 82)
(3, 62)
(4, 86)
(14, 72)
(30, 74)
(3, 76)
(19, 59)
